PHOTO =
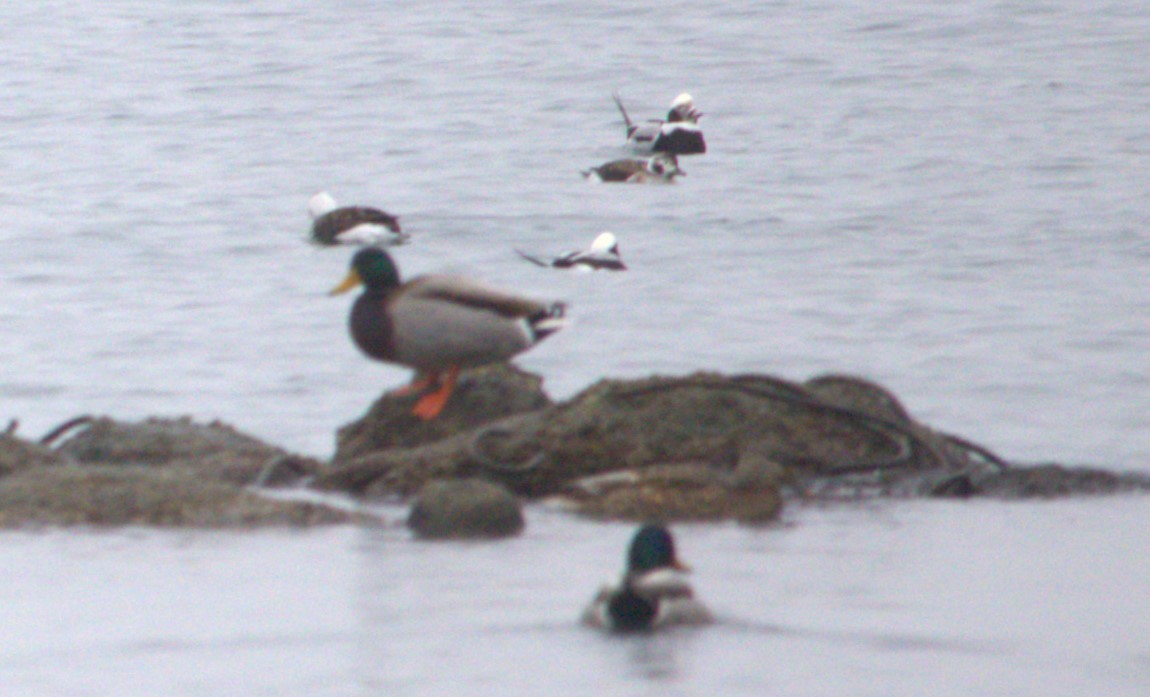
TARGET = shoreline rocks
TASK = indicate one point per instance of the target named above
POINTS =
(158, 472)
(698, 447)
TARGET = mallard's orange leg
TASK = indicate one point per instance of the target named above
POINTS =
(429, 405)
(421, 382)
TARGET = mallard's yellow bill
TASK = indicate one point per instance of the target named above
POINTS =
(350, 281)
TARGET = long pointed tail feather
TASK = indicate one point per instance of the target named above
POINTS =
(623, 111)
(534, 260)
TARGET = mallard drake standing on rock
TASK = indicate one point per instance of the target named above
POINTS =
(332, 225)
(603, 254)
(653, 593)
(678, 135)
(439, 324)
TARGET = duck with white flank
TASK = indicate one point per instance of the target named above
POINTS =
(658, 168)
(439, 324)
(678, 135)
(603, 254)
(653, 592)
(356, 225)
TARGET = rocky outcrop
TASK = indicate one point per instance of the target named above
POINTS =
(701, 447)
(481, 396)
(465, 508)
(159, 472)
(698, 447)
(17, 455)
(133, 495)
(1046, 481)
(614, 425)
(213, 451)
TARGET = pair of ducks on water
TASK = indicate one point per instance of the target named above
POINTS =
(662, 142)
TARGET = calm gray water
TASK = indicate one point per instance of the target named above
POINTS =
(904, 599)
(949, 199)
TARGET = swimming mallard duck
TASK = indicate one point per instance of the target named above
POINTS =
(653, 592)
(678, 135)
(659, 168)
(439, 324)
(603, 254)
(332, 225)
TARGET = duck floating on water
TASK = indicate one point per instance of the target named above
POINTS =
(653, 592)
(439, 324)
(679, 134)
(356, 225)
(603, 254)
(658, 168)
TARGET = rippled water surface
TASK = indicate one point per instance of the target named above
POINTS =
(893, 599)
(948, 199)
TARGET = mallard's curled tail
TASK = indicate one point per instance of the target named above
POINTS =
(548, 321)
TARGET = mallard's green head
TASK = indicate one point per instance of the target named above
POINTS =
(372, 267)
(652, 548)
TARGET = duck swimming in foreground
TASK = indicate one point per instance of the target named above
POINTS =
(658, 168)
(678, 135)
(439, 324)
(603, 254)
(332, 225)
(653, 592)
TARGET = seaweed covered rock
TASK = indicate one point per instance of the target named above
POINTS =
(704, 420)
(1040, 481)
(134, 495)
(17, 454)
(683, 492)
(858, 394)
(159, 472)
(465, 508)
(481, 396)
(214, 450)
(750, 492)
(708, 446)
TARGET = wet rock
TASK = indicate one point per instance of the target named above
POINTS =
(159, 472)
(858, 394)
(749, 491)
(683, 492)
(214, 450)
(17, 454)
(482, 395)
(1041, 481)
(285, 470)
(618, 425)
(134, 495)
(465, 508)
(708, 446)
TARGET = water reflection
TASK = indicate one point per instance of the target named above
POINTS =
(655, 657)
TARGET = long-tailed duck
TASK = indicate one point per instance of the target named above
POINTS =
(603, 254)
(658, 168)
(679, 134)
(357, 225)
